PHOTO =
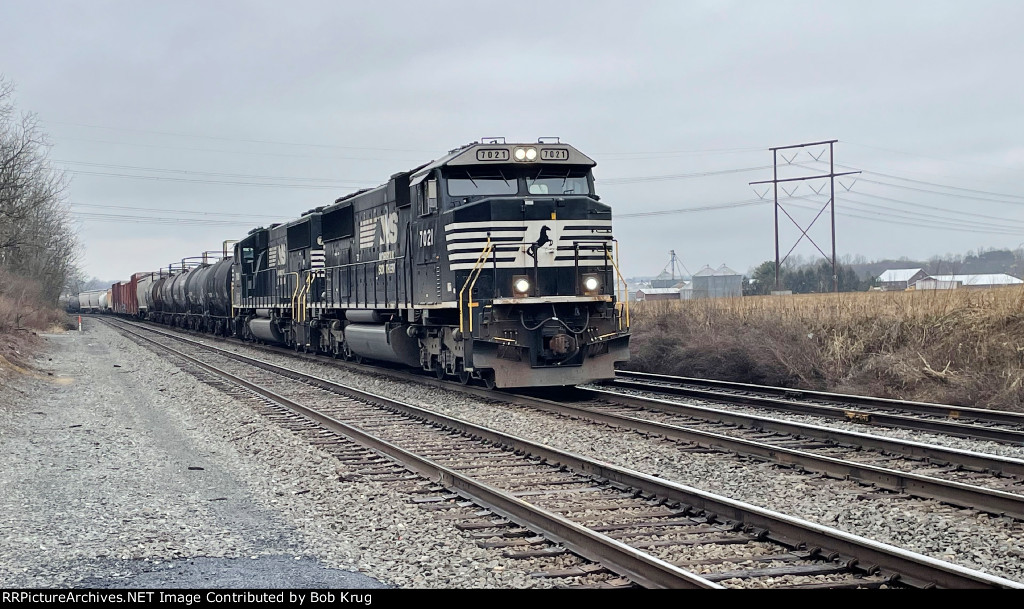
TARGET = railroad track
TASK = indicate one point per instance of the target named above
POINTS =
(646, 529)
(974, 423)
(984, 482)
(988, 483)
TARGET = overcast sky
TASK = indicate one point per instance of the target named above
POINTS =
(222, 116)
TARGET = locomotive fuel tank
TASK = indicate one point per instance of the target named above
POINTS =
(384, 343)
(266, 329)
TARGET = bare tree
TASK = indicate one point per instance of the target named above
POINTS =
(37, 236)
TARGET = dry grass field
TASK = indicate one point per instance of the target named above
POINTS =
(963, 347)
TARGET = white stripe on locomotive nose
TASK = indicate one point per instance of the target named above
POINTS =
(520, 224)
(468, 266)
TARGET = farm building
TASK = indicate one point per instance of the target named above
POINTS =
(952, 282)
(900, 279)
(665, 280)
(722, 282)
(657, 294)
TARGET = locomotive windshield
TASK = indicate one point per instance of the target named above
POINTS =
(496, 181)
(481, 181)
(558, 181)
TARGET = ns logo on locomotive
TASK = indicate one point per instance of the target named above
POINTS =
(495, 262)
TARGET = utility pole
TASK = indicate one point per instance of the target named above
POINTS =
(831, 204)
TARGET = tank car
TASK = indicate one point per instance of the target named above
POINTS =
(495, 262)
(144, 293)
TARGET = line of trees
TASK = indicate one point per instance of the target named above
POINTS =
(806, 279)
(39, 245)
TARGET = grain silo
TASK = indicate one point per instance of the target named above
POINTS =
(722, 282)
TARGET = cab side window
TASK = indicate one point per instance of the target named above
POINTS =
(426, 197)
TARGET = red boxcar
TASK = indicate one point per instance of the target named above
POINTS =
(125, 296)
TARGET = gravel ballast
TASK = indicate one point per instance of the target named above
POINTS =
(119, 470)
(100, 492)
(991, 544)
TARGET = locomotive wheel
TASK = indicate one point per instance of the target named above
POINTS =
(488, 379)
(464, 377)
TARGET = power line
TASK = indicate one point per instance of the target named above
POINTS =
(210, 173)
(248, 152)
(921, 222)
(687, 210)
(675, 176)
(97, 217)
(935, 192)
(173, 211)
(235, 139)
(953, 222)
(925, 156)
(643, 156)
(952, 211)
(197, 181)
(972, 190)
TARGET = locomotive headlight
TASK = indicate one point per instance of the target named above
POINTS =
(591, 283)
(521, 285)
(525, 154)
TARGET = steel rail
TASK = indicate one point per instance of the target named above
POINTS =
(957, 493)
(993, 463)
(903, 566)
(883, 419)
(967, 495)
(638, 566)
(944, 410)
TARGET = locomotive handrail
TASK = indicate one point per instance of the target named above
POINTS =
(474, 274)
(310, 276)
(295, 291)
(300, 301)
(624, 302)
(363, 263)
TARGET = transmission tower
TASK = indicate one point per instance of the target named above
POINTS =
(830, 204)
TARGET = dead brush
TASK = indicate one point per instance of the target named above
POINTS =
(963, 347)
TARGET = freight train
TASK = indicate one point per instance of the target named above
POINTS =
(495, 262)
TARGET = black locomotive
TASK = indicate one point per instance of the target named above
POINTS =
(495, 262)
